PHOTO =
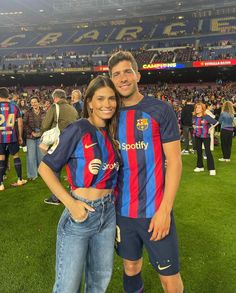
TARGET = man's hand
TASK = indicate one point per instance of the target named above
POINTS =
(160, 225)
(20, 140)
(36, 134)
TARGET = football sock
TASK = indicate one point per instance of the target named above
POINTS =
(18, 168)
(2, 169)
(133, 284)
(6, 163)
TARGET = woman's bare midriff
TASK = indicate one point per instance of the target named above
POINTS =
(91, 193)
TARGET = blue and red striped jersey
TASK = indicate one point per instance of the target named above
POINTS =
(9, 113)
(142, 130)
(89, 156)
(202, 124)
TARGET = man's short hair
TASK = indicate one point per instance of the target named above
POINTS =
(122, 56)
(34, 98)
(4, 93)
(58, 93)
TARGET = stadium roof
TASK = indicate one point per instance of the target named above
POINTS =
(29, 12)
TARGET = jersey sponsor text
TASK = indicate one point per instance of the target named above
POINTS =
(139, 145)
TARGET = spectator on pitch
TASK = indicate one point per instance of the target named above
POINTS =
(148, 134)
(187, 125)
(67, 115)
(32, 124)
(10, 136)
(202, 124)
(76, 101)
(23, 108)
(210, 112)
(15, 98)
(46, 105)
(217, 111)
(227, 129)
(86, 230)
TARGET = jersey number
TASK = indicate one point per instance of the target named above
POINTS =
(10, 121)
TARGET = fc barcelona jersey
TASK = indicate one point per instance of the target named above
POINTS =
(142, 130)
(9, 112)
(202, 124)
(89, 156)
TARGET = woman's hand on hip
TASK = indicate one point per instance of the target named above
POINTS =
(79, 210)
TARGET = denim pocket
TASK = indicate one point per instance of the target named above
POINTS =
(78, 222)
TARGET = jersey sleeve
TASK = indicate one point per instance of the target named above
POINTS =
(59, 154)
(169, 129)
(211, 120)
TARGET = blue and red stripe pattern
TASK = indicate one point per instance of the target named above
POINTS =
(9, 113)
(89, 156)
(202, 124)
(142, 130)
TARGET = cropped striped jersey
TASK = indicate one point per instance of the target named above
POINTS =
(88, 154)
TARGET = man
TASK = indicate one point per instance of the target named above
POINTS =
(148, 134)
(15, 98)
(76, 101)
(32, 123)
(11, 129)
(187, 125)
(67, 115)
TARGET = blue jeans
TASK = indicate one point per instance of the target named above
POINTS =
(34, 157)
(88, 245)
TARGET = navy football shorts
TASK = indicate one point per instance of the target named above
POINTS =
(12, 148)
(132, 235)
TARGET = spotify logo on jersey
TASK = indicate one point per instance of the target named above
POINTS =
(94, 166)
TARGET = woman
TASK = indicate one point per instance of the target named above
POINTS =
(227, 129)
(32, 123)
(23, 107)
(202, 125)
(86, 229)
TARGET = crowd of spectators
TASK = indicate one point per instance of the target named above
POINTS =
(27, 61)
(175, 94)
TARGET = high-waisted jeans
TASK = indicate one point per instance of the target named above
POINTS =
(86, 246)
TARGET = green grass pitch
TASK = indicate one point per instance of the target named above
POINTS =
(205, 214)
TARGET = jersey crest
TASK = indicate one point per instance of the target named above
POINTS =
(142, 124)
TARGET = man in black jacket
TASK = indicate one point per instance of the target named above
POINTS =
(186, 123)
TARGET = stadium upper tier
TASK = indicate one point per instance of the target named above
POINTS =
(135, 30)
(179, 40)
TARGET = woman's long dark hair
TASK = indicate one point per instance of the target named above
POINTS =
(99, 82)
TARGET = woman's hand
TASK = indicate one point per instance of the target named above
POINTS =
(79, 210)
